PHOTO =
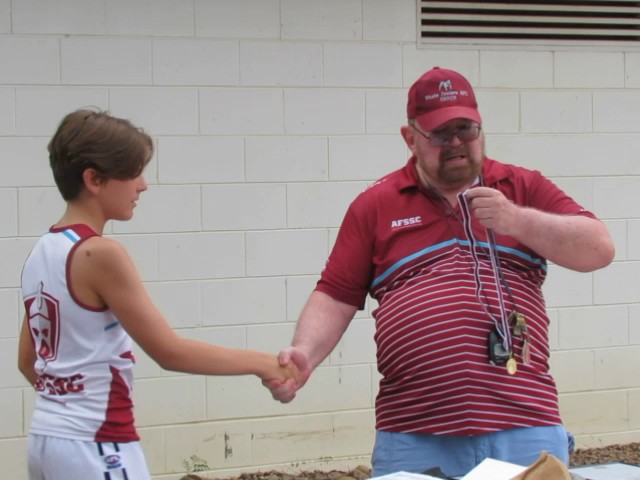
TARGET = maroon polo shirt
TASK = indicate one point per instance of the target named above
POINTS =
(407, 248)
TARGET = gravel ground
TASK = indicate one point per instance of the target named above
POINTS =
(626, 453)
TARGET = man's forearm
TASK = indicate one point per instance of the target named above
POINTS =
(322, 323)
(571, 241)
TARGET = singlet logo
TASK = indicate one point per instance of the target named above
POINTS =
(404, 222)
(43, 314)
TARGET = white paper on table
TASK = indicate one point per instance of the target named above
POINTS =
(609, 471)
(491, 469)
(405, 476)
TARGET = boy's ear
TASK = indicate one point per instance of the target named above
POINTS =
(92, 179)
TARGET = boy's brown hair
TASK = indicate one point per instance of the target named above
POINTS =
(113, 146)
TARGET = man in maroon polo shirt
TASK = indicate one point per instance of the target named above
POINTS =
(454, 248)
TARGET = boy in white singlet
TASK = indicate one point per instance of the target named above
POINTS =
(85, 305)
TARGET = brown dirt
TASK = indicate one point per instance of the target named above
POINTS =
(626, 453)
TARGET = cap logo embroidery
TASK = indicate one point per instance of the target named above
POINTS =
(445, 85)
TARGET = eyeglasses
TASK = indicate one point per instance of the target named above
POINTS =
(440, 138)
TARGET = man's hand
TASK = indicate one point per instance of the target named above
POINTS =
(286, 391)
(576, 242)
(493, 210)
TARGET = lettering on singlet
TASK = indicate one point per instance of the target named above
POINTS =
(58, 385)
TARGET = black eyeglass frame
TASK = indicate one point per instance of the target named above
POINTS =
(439, 138)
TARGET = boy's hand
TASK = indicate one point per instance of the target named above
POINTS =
(285, 390)
(290, 371)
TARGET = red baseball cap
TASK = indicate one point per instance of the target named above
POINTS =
(441, 95)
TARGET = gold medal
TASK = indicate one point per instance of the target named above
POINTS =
(519, 324)
(512, 366)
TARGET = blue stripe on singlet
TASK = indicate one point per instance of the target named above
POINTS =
(111, 325)
(535, 260)
(71, 235)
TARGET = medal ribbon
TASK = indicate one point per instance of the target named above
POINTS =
(502, 324)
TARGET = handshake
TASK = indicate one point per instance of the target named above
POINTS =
(292, 372)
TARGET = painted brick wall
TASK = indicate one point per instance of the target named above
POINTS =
(269, 116)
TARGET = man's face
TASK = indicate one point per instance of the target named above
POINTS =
(453, 165)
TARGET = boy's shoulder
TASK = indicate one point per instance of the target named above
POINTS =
(102, 250)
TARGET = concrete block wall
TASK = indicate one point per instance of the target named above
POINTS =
(269, 116)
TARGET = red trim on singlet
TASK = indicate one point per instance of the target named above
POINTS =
(118, 425)
(84, 232)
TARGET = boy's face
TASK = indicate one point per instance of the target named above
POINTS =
(120, 197)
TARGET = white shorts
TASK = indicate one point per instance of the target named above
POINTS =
(54, 458)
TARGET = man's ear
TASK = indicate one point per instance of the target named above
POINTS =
(409, 137)
(92, 180)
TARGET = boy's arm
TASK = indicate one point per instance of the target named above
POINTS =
(26, 353)
(113, 277)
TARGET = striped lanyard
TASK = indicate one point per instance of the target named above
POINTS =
(502, 323)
